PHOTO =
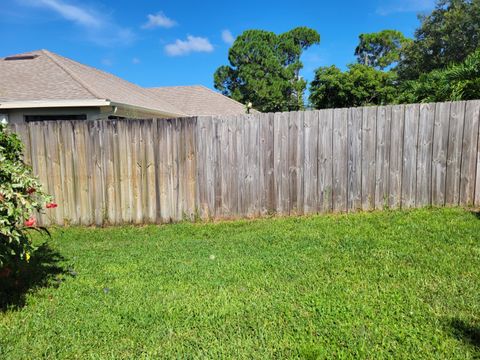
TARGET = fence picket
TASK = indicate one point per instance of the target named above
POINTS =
(157, 170)
(265, 171)
(354, 159)
(469, 152)
(310, 179)
(410, 140)
(423, 190)
(369, 128)
(325, 158)
(339, 158)
(396, 156)
(454, 153)
(382, 157)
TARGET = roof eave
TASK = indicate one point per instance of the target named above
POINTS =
(29, 104)
(163, 114)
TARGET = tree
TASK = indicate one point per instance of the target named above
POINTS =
(456, 82)
(328, 89)
(359, 85)
(265, 69)
(464, 78)
(441, 63)
(448, 35)
(381, 49)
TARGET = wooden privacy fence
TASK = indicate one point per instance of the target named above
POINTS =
(141, 171)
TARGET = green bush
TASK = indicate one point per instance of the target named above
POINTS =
(459, 81)
(21, 196)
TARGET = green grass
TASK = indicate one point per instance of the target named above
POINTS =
(373, 285)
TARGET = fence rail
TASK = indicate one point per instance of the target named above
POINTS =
(142, 171)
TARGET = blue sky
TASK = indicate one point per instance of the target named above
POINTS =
(164, 43)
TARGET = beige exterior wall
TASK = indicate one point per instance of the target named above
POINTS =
(134, 114)
(16, 116)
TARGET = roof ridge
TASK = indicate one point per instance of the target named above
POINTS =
(171, 104)
(172, 86)
(165, 100)
(143, 91)
(148, 93)
(200, 86)
(217, 93)
(70, 73)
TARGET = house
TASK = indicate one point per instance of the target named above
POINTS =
(42, 85)
(198, 100)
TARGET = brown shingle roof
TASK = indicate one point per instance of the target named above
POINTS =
(39, 78)
(198, 100)
(48, 76)
(42, 75)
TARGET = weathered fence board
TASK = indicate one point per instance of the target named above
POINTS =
(310, 167)
(477, 179)
(149, 194)
(339, 159)
(424, 155)
(281, 162)
(439, 152)
(382, 157)
(354, 159)
(324, 159)
(454, 153)
(295, 159)
(233, 168)
(54, 169)
(251, 159)
(396, 156)
(368, 157)
(409, 168)
(469, 153)
(224, 143)
(156, 170)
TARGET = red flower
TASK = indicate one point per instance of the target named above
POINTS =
(51, 205)
(30, 222)
(31, 190)
(5, 272)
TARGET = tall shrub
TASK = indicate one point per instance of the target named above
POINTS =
(21, 196)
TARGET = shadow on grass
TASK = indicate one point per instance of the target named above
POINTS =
(467, 332)
(476, 213)
(43, 270)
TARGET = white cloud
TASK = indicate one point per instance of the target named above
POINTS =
(135, 60)
(107, 62)
(395, 7)
(159, 20)
(192, 44)
(98, 27)
(227, 37)
(81, 16)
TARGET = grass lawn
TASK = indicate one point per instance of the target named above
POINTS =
(374, 285)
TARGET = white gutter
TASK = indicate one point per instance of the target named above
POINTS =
(29, 104)
(149, 110)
